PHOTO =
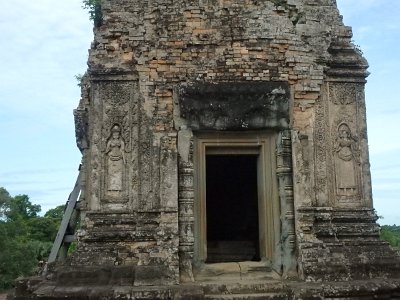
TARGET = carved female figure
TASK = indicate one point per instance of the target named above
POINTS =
(115, 160)
(346, 161)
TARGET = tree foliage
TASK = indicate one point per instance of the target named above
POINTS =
(20, 207)
(391, 234)
(55, 213)
(26, 237)
(95, 13)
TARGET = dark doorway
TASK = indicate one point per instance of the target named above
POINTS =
(232, 208)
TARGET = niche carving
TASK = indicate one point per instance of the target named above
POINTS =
(115, 164)
(346, 162)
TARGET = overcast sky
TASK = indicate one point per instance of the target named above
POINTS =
(45, 42)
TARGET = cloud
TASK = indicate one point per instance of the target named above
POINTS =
(30, 172)
(354, 7)
(384, 208)
(46, 187)
(46, 46)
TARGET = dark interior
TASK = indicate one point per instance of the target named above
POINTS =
(232, 208)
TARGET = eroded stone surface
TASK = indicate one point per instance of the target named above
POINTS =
(163, 72)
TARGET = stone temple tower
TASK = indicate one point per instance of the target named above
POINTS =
(225, 154)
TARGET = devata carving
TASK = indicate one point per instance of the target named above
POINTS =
(346, 161)
(115, 161)
(117, 115)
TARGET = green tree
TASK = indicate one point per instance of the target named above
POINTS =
(4, 200)
(55, 213)
(391, 234)
(42, 229)
(19, 207)
(26, 237)
(95, 13)
(16, 258)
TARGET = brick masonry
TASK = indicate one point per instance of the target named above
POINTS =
(161, 73)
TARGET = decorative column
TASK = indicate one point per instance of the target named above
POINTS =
(285, 184)
(186, 220)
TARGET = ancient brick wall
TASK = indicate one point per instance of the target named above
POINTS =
(139, 204)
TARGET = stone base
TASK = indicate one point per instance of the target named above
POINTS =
(38, 288)
(49, 291)
(343, 245)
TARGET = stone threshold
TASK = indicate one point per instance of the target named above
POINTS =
(235, 271)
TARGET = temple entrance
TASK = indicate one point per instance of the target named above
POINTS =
(232, 208)
(237, 210)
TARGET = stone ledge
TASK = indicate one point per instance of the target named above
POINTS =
(277, 289)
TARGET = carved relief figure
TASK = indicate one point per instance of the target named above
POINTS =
(115, 160)
(346, 162)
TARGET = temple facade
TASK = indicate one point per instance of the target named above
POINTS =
(225, 141)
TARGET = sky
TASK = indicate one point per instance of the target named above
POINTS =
(44, 45)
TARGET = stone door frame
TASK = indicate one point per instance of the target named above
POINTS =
(276, 147)
(262, 144)
(256, 113)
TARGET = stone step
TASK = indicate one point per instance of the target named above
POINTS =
(236, 271)
(243, 287)
(254, 296)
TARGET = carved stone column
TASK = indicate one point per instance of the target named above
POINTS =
(186, 220)
(285, 183)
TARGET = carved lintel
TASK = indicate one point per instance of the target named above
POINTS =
(235, 106)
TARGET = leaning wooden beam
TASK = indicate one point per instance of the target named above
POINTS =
(72, 199)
